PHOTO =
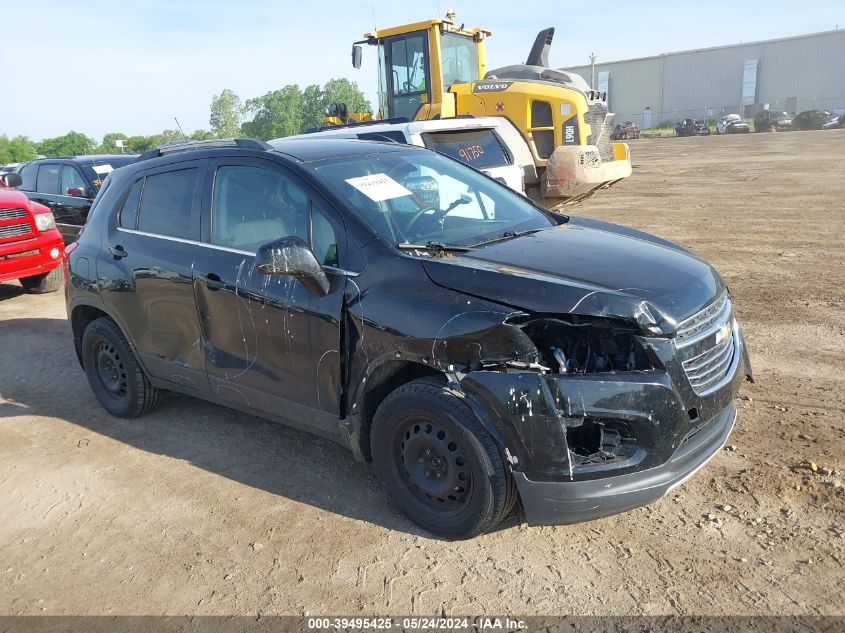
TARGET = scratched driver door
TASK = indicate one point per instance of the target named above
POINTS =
(269, 343)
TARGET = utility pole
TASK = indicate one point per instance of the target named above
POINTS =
(593, 71)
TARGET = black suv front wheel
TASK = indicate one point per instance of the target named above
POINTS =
(115, 376)
(438, 462)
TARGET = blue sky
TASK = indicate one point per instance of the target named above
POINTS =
(131, 66)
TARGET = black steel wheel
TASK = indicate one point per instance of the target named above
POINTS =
(113, 372)
(435, 464)
(438, 462)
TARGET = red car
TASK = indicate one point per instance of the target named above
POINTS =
(30, 246)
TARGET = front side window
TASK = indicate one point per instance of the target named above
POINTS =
(460, 59)
(167, 203)
(253, 205)
(414, 197)
(71, 179)
(48, 178)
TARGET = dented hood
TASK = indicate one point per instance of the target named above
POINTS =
(589, 268)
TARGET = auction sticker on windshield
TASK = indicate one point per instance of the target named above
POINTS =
(378, 187)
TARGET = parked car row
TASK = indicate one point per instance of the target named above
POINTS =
(764, 121)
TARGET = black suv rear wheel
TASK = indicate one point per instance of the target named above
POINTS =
(115, 376)
(438, 462)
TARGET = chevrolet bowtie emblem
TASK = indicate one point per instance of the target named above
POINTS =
(723, 333)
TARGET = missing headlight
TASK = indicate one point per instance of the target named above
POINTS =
(587, 347)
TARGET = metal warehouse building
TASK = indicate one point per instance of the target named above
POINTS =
(792, 74)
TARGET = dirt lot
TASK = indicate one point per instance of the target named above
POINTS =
(200, 510)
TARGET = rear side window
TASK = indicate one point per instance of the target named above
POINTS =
(480, 149)
(28, 176)
(129, 212)
(167, 203)
(48, 178)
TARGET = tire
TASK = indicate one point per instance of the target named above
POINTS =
(115, 375)
(42, 284)
(438, 463)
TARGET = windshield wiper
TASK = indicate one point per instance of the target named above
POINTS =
(507, 235)
(440, 247)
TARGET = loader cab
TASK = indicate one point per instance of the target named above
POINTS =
(418, 63)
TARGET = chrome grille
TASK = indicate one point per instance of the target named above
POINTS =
(14, 230)
(12, 214)
(707, 369)
(709, 319)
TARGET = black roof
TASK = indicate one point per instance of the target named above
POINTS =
(310, 149)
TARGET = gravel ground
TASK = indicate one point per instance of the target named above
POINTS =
(197, 509)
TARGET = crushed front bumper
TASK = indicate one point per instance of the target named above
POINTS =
(650, 431)
(561, 502)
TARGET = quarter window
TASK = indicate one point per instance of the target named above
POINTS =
(129, 211)
(167, 204)
(48, 178)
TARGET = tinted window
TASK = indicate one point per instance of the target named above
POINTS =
(252, 206)
(167, 202)
(28, 175)
(476, 148)
(48, 178)
(70, 178)
(129, 213)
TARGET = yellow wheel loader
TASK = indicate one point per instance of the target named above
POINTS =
(435, 69)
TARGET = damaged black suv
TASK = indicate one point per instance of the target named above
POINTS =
(486, 355)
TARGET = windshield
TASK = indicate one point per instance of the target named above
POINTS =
(460, 59)
(98, 170)
(417, 197)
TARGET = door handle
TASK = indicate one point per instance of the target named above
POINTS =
(213, 282)
(117, 252)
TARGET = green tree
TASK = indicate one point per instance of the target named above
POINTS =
(19, 149)
(225, 119)
(202, 135)
(277, 113)
(108, 146)
(71, 144)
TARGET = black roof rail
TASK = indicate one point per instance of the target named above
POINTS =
(186, 146)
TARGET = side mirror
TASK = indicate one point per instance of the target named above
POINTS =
(291, 256)
(77, 192)
(11, 180)
(356, 56)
